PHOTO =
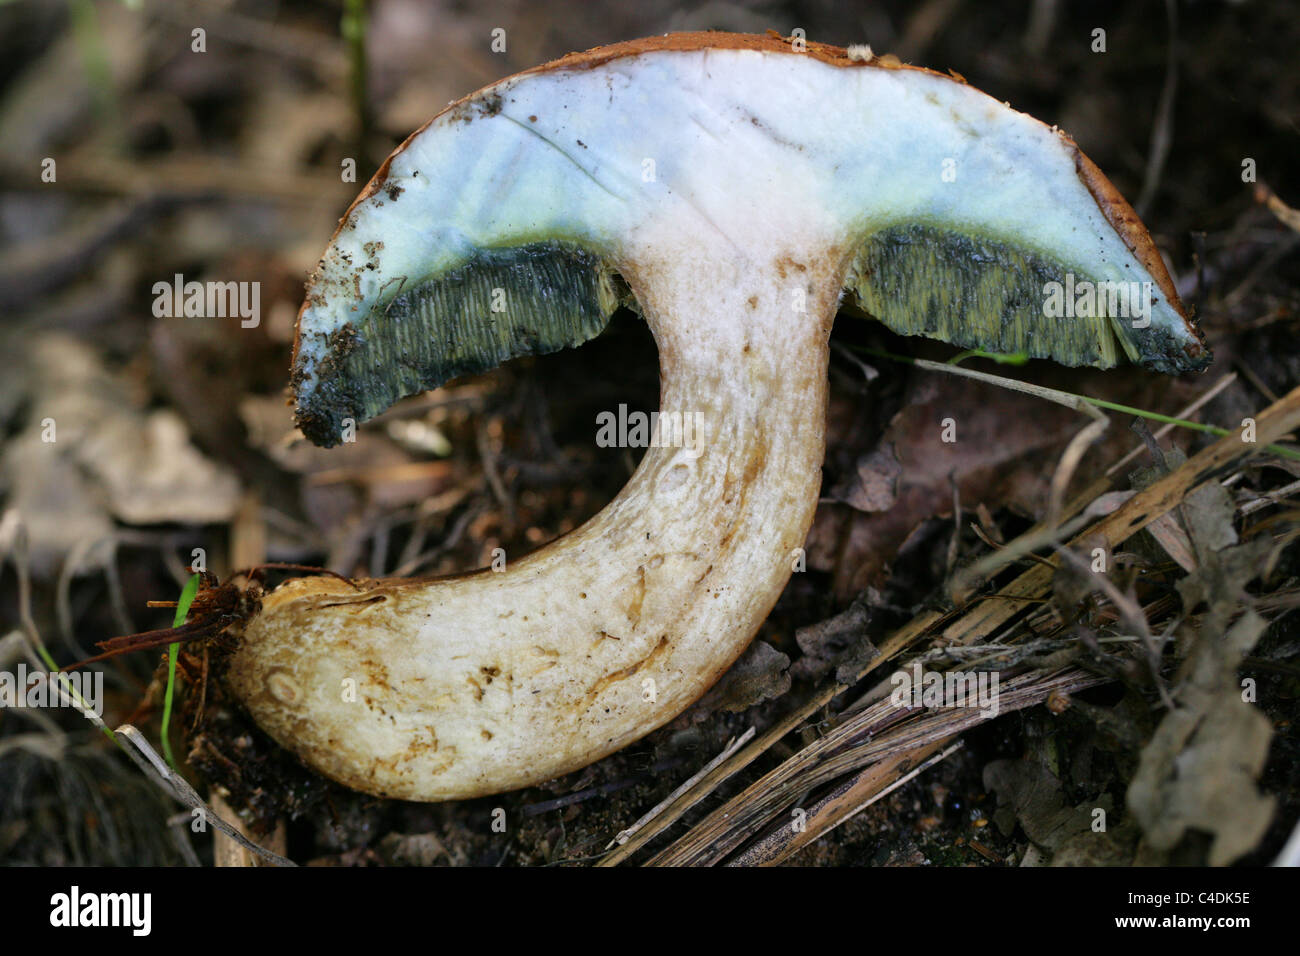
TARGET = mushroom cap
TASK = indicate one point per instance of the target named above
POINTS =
(502, 226)
(737, 188)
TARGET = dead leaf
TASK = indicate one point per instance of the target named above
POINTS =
(874, 486)
(1200, 768)
(1005, 450)
(839, 643)
(1203, 523)
(762, 673)
(88, 453)
(1082, 835)
(153, 474)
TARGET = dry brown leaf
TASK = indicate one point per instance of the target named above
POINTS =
(88, 453)
(762, 673)
(874, 486)
(1200, 768)
(839, 642)
(1006, 448)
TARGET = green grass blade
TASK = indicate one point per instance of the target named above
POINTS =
(1278, 450)
(182, 611)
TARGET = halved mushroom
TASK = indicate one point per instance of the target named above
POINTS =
(734, 188)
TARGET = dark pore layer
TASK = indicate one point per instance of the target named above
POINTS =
(972, 291)
(498, 305)
(982, 293)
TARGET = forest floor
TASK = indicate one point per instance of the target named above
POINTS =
(1165, 704)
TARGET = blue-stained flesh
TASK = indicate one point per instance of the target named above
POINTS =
(498, 305)
(980, 292)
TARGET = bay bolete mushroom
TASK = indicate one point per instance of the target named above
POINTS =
(733, 188)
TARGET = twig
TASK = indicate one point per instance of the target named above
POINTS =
(1288, 216)
(1162, 127)
(864, 788)
(836, 753)
(734, 745)
(153, 767)
(1269, 498)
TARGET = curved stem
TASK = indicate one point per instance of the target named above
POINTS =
(492, 681)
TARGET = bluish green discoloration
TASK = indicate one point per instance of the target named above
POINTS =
(497, 305)
(981, 292)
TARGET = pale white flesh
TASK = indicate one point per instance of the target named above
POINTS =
(729, 188)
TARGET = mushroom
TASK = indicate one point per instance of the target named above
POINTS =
(732, 188)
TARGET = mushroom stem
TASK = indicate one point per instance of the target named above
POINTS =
(614, 629)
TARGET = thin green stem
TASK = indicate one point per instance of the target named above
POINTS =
(1280, 451)
(352, 26)
(99, 74)
(182, 611)
(1015, 358)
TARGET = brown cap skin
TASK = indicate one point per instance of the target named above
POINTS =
(1130, 228)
